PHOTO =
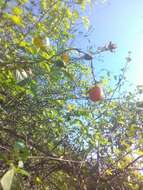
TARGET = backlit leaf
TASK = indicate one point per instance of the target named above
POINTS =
(17, 20)
(17, 11)
(10, 181)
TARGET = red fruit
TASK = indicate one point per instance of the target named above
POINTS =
(96, 93)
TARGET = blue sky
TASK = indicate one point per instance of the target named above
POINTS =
(120, 21)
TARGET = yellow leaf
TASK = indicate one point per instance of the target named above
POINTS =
(109, 172)
(17, 11)
(69, 13)
(139, 152)
(23, 44)
(24, 1)
(16, 19)
(120, 165)
(70, 107)
(38, 180)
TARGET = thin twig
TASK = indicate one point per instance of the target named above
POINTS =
(57, 159)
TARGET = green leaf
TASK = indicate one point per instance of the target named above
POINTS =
(21, 151)
(22, 172)
(19, 145)
(59, 63)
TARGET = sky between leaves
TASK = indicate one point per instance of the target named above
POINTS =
(122, 22)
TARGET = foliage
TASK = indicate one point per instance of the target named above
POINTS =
(52, 136)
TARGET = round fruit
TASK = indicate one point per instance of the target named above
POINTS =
(65, 58)
(96, 93)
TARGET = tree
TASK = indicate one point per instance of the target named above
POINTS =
(52, 136)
